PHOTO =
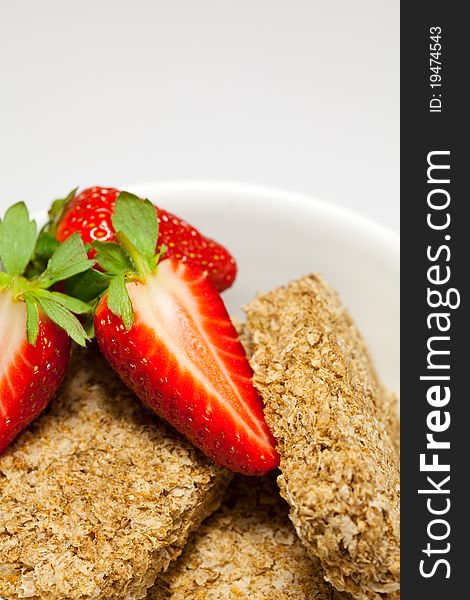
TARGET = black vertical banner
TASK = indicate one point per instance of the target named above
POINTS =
(435, 330)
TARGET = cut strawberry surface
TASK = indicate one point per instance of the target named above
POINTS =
(29, 375)
(182, 357)
(12, 328)
(166, 332)
(90, 214)
(36, 324)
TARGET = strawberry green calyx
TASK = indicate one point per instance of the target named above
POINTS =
(46, 242)
(17, 239)
(138, 221)
(133, 258)
(18, 245)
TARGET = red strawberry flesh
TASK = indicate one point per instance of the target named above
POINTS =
(182, 357)
(29, 375)
(90, 214)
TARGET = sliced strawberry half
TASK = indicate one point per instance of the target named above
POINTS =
(29, 374)
(166, 332)
(90, 214)
(36, 324)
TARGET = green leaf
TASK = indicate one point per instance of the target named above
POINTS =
(87, 285)
(72, 304)
(119, 302)
(137, 219)
(17, 239)
(64, 319)
(69, 259)
(46, 245)
(32, 319)
(111, 258)
(89, 321)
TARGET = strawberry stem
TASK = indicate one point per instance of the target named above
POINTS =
(140, 263)
(17, 285)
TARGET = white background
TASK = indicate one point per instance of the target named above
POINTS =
(301, 94)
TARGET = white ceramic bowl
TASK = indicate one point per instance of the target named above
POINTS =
(277, 235)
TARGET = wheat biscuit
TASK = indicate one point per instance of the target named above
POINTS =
(336, 434)
(98, 495)
(247, 549)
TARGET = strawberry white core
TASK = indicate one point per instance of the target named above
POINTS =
(12, 337)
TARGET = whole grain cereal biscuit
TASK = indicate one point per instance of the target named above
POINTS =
(247, 549)
(336, 434)
(98, 495)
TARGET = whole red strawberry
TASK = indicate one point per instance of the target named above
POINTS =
(166, 332)
(35, 323)
(90, 214)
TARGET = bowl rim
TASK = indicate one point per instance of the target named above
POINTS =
(387, 235)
